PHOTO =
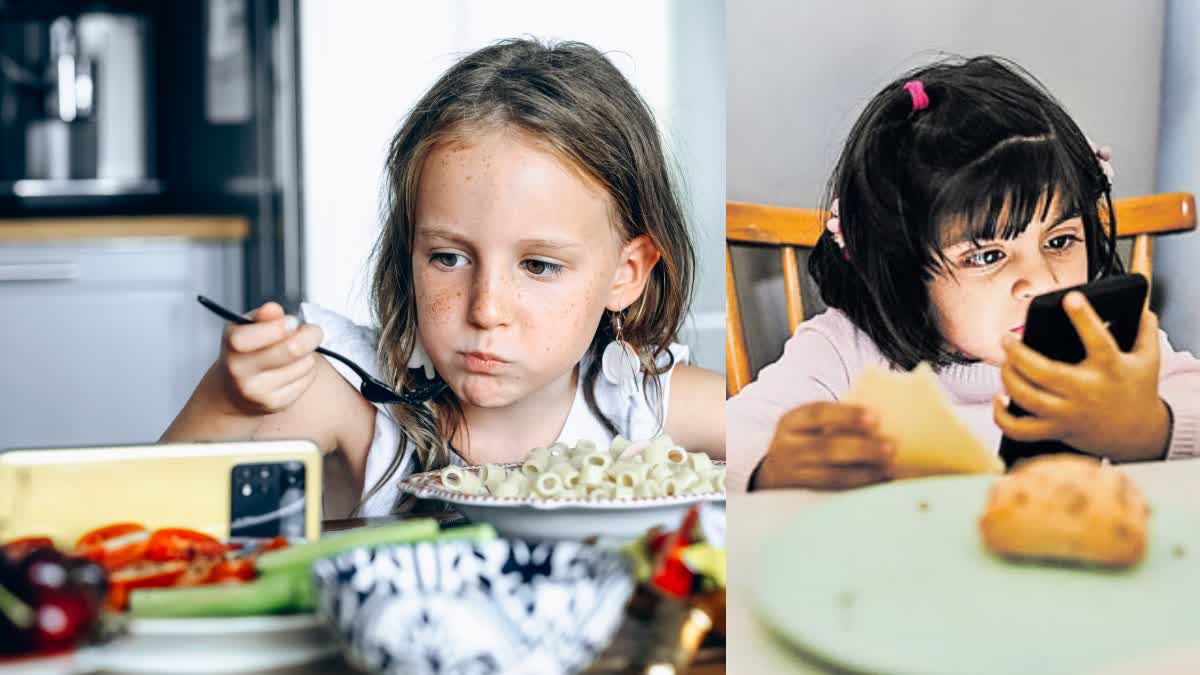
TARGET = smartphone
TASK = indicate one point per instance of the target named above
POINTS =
(1117, 300)
(230, 490)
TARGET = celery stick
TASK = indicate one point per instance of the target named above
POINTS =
(285, 585)
(274, 594)
(303, 555)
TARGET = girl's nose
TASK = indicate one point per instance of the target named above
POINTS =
(1034, 278)
(490, 301)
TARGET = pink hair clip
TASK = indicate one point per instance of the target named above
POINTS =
(916, 89)
(834, 226)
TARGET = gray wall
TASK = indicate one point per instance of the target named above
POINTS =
(695, 132)
(1179, 169)
(799, 73)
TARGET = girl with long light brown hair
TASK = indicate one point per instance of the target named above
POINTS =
(532, 226)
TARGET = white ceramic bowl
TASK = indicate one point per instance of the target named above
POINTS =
(536, 519)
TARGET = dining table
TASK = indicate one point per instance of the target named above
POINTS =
(708, 660)
(754, 517)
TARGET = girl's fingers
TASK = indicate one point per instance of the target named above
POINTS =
(1045, 373)
(1029, 396)
(840, 478)
(244, 367)
(299, 344)
(262, 387)
(269, 311)
(829, 418)
(1147, 337)
(286, 395)
(845, 450)
(1023, 428)
(279, 378)
(1097, 341)
(258, 336)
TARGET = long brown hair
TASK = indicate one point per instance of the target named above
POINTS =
(569, 97)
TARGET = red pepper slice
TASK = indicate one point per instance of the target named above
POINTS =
(278, 542)
(670, 575)
(114, 546)
(655, 540)
(18, 548)
(177, 543)
(107, 533)
(142, 575)
(237, 570)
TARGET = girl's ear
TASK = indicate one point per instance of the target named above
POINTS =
(637, 258)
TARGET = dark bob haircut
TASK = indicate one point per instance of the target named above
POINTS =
(991, 150)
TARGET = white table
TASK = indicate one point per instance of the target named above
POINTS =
(750, 649)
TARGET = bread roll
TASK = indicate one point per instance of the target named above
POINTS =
(1066, 508)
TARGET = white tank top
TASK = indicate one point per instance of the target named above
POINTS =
(635, 418)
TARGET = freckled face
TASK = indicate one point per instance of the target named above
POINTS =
(989, 286)
(514, 257)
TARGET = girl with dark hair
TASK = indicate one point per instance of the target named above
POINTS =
(535, 258)
(964, 190)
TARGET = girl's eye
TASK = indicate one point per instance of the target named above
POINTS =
(447, 260)
(541, 268)
(984, 258)
(1063, 242)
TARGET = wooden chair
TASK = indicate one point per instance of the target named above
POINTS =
(790, 228)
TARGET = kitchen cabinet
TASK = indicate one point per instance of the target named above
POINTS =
(102, 340)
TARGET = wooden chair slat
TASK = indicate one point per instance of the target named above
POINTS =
(791, 285)
(737, 360)
(1143, 253)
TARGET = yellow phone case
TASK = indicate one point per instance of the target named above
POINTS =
(63, 493)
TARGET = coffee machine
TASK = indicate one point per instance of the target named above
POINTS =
(88, 129)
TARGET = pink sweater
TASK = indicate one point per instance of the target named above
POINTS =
(827, 353)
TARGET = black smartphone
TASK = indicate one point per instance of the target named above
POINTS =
(1118, 301)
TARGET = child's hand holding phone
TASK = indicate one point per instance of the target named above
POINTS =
(266, 365)
(1107, 404)
(826, 445)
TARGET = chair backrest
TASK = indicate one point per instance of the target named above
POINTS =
(789, 229)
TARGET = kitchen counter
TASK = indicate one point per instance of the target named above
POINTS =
(221, 228)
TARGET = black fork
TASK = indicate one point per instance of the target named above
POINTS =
(372, 389)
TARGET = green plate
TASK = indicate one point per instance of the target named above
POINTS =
(895, 579)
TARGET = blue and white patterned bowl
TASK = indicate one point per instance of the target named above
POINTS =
(460, 608)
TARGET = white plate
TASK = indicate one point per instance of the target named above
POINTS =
(212, 645)
(536, 519)
(59, 664)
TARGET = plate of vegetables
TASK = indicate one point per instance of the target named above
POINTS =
(179, 601)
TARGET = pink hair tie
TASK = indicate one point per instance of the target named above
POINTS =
(917, 90)
(834, 226)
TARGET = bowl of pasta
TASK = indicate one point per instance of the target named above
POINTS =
(580, 491)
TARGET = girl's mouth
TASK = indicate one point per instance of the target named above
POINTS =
(482, 362)
(1019, 330)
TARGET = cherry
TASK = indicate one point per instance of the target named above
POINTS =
(43, 572)
(62, 620)
(89, 579)
(49, 601)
